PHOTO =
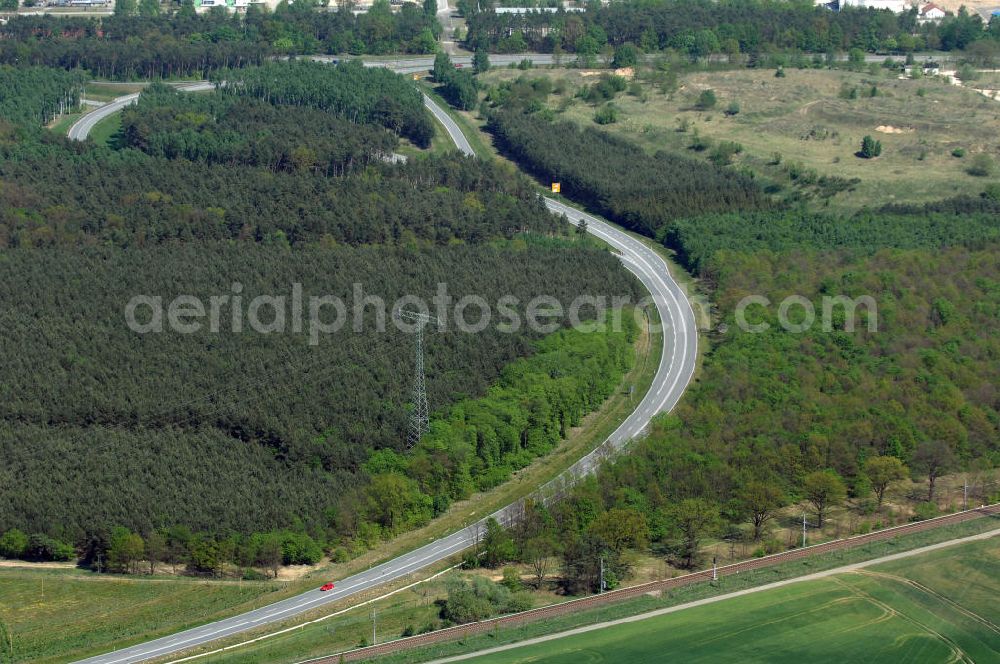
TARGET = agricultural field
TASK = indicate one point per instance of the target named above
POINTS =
(807, 121)
(940, 606)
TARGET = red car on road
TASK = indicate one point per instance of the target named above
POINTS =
(326, 586)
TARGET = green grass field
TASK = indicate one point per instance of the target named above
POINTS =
(59, 616)
(110, 91)
(937, 607)
(62, 125)
(106, 131)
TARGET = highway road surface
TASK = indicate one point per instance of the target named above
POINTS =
(82, 127)
(676, 367)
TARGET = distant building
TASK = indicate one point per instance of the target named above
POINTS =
(536, 10)
(896, 6)
(930, 13)
(233, 5)
(241, 5)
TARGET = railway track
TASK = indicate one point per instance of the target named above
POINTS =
(576, 605)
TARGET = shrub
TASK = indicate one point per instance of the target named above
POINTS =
(768, 547)
(470, 560)
(699, 143)
(13, 543)
(299, 549)
(967, 73)
(870, 148)
(733, 108)
(924, 511)
(511, 579)
(982, 166)
(605, 89)
(958, 153)
(606, 115)
(706, 100)
(478, 599)
(724, 152)
(43, 548)
(626, 55)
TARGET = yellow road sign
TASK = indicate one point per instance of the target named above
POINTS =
(556, 187)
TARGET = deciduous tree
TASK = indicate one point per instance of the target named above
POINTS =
(882, 472)
(824, 489)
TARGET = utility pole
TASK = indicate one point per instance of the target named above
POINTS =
(374, 637)
(965, 493)
(420, 415)
(603, 586)
(803, 530)
(715, 569)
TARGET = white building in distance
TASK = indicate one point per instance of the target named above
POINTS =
(895, 6)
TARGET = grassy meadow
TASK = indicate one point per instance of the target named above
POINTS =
(57, 616)
(809, 120)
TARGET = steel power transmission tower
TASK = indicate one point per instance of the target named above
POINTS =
(420, 415)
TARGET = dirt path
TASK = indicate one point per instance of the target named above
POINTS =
(952, 77)
(23, 563)
(719, 598)
(804, 109)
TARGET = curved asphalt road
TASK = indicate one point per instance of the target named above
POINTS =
(676, 367)
(82, 127)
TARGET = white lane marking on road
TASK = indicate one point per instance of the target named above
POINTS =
(599, 228)
(147, 653)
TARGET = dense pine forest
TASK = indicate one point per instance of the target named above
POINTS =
(190, 177)
(38, 94)
(185, 44)
(616, 177)
(697, 239)
(109, 435)
(348, 90)
(234, 132)
(701, 28)
(92, 396)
